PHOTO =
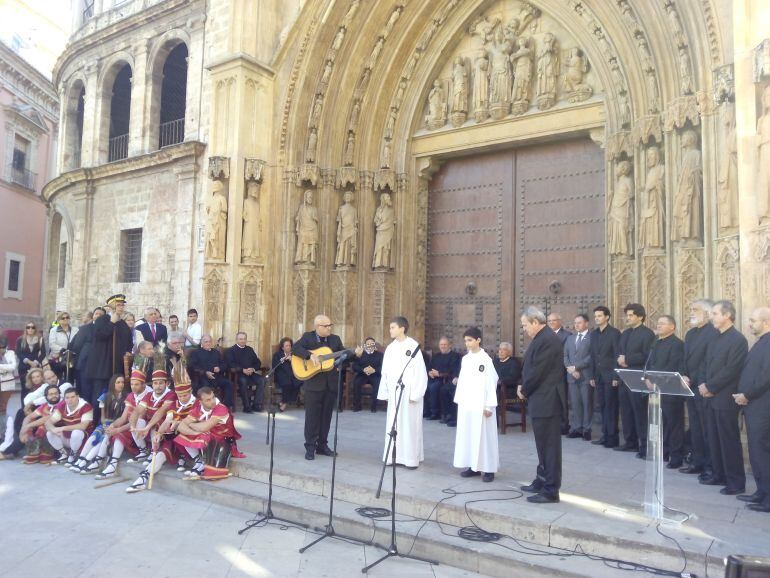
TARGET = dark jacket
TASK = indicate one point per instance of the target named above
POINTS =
(604, 352)
(635, 344)
(161, 333)
(34, 353)
(110, 343)
(725, 357)
(696, 342)
(309, 342)
(508, 372)
(238, 358)
(755, 377)
(283, 374)
(374, 359)
(447, 364)
(81, 345)
(667, 355)
(543, 375)
(563, 334)
(202, 360)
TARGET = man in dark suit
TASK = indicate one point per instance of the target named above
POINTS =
(696, 342)
(151, 330)
(242, 359)
(443, 369)
(542, 387)
(207, 367)
(754, 396)
(724, 362)
(667, 354)
(367, 368)
(554, 322)
(604, 354)
(321, 389)
(577, 361)
(634, 350)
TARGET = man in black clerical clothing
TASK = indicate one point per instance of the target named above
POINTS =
(725, 357)
(634, 351)
(367, 368)
(754, 396)
(173, 351)
(321, 389)
(242, 359)
(151, 329)
(443, 369)
(208, 367)
(507, 367)
(542, 387)
(696, 341)
(605, 340)
(667, 354)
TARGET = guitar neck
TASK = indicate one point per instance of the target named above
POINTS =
(334, 355)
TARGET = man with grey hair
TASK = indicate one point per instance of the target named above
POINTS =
(696, 342)
(207, 367)
(151, 329)
(541, 386)
(243, 360)
(173, 351)
(507, 367)
(725, 357)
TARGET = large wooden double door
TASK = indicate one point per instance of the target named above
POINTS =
(513, 228)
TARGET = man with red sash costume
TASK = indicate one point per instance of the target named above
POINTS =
(208, 435)
(69, 424)
(33, 432)
(150, 413)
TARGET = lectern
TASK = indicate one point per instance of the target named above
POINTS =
(655, 384)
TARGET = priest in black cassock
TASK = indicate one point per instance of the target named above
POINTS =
(443, 369)
(754, 396)
(367, 368)
(634, 348)
(724, 362)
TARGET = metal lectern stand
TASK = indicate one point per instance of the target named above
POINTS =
(656, 384)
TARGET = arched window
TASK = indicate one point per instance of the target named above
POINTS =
(120, 115)
(173, 97)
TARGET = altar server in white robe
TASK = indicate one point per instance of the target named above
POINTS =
(476, 399)
(409, 451)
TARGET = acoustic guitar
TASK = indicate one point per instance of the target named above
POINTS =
(304, 369)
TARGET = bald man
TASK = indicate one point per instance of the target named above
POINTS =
(754, 397)
(321, 389)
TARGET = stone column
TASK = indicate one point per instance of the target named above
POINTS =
(137, 141)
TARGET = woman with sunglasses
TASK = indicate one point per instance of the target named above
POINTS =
(59, 344)
(30, 351)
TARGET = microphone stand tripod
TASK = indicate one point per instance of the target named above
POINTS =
(270, 438)
(392, 550)
(328, 530)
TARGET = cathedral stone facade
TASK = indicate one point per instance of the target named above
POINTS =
(447, 160)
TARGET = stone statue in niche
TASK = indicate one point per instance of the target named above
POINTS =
(307, 231)
(522, 76)
(652, 85)
(350, 13)
(573, 85)
(251, 223)
(355, 114)
(327, 73)
(500, 76)
(644, 53)
(312, 144)
(387, 154)
(347, 233)
(547, 71)
(481, 87)
(689, 191)
(436, 117)
(727, 195)
(338, 38)
(385, 228)
(685, 70)
(399, 98)
(390, 123)
(392, 21)
(651, 233)
(216, 213)
(625, 109)
(459, 92)
(619, 215)
(676, 24)
(763, 151)
(350, 147)
(372, 60)
(315, 115)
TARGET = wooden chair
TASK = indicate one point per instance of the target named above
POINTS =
(508, 401)
(128, 359)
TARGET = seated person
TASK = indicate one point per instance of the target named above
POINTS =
(443, 369)
(243, 360)
(143, 360)
(37, 397)
(367, 368)
(174, 351)
(150, 412)
(208, 435)
(207, 368)
(508, 368)
(15, 414)
(32, 432)
(283, 376)
(70, 422)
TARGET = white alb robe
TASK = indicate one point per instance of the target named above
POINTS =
(409, 451)
(476, 437)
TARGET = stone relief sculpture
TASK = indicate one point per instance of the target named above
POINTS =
(327, 73)
(727, 195)
(251, 223)
(355, 114)
(307, 231)
(625, 108)
(685, 70)
(312, 144)
(350, 13)
(216, 213)
(347, 233)
(459, 92)
(436, 117)
(387, 154)
(651, 233)
(315, 115)
(547, 71)
(763, 151)
(619, 215)
(390, 123)
(385, 228)
(481, 87)
(350, 147)
(689, 191)
(522, 76)
(375, 54)
(500, 76)
(573, 85)
(676, 24)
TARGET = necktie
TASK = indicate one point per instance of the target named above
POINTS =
(579, 339)
(152, 329)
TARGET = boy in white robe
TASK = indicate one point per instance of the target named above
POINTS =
(476, 399)
(409, 450)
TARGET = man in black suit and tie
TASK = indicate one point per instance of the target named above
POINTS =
(542, 387)
(151, 330)
(321, 389)
(577, 361)
(554, 322)
(604, 354)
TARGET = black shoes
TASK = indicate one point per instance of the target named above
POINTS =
(763, 507)
(627, 448)
(535, 486)
(488, 477)
(599, 442)
(587, 436)
(574, 434)
(711, 481)
(309, 455)
(754, 498)
(731, 492)
(469, 473)
(641, 455)
(674, 465)
(543, 499)
(325, 451)
(691, 470)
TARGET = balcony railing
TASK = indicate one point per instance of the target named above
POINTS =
(23, 177)
(171, 132)
(118, 148)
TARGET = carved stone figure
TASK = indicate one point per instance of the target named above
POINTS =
(390, 123)
(251, 223)
(763, 146)
(547, 71)
(459, 92)
(347, 233)
(685, 70)
(372, 60)
(315, 115)
(481, 87)
(355, 114)
(436, 117)
(387, 154)
(307, 231)
(644, 53)
(385, 228)
(216, 213)
(619, 215)
(651, 233)
(689, 191)
(350, 147)
(399, 98)
(654, 94)
(327, 73)
(522, 76)
(727, 195)
(352, 9)
(676, 24)
(625, 109)
(338, 38)
(312, 144)
(392, 21)
(500, 76)
(577, 66)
